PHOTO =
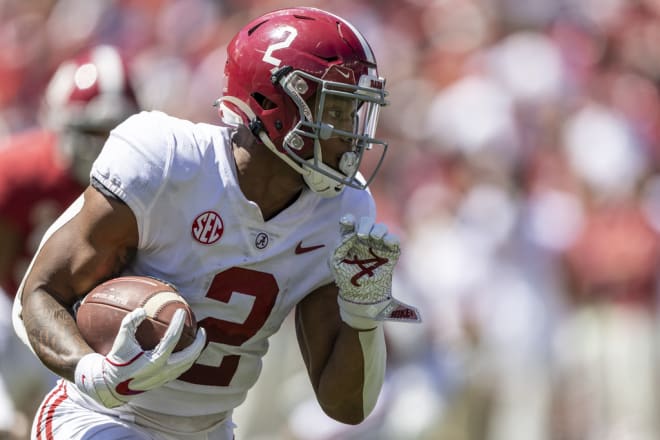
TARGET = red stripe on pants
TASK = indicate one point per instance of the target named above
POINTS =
(54, 399)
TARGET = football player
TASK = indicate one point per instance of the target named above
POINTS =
(42, 171)
(262, 215)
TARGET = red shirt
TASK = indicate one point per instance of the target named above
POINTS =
(35, 188)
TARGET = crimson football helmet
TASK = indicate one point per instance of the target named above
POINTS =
(282, 71)
(86, 97)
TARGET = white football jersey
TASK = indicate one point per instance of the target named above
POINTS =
(241, 275)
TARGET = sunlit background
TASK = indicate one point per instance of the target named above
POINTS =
(521, 176)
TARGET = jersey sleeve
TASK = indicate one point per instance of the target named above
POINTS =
(135, 160)
(144, 157)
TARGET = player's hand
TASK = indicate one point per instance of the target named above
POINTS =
(362, 264)
(128, 370)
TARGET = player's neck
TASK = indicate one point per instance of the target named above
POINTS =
(266, 180)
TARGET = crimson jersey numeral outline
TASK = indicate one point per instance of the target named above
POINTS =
(264, 288)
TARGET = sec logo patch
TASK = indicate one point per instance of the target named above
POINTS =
(207, 228)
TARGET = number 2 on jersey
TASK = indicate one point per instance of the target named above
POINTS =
(263, 287)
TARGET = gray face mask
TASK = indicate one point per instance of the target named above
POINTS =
(341, 110)
(80, 149)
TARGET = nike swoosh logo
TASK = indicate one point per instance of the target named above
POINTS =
(300, 249)
(345, 75)
(123, 389)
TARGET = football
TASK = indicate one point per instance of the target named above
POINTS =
(101, 311)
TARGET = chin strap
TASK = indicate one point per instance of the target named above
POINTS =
(319, 183)
(231, 118)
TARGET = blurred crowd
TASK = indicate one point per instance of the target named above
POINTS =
(524, 142)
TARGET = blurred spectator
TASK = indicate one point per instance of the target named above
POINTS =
(44, 169)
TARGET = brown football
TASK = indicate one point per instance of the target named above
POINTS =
(101, 311)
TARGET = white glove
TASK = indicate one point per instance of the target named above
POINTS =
(362, 265)
(128, 370)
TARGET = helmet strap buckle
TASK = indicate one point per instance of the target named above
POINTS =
(278, 73)
(256, 126)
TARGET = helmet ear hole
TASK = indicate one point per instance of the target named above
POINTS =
(263, 102)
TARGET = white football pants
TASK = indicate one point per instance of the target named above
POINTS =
(60, 418)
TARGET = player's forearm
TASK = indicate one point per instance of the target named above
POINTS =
(353, 375)
(53, 333)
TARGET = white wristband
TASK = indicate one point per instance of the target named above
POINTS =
(90, 380)
(360, 316)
